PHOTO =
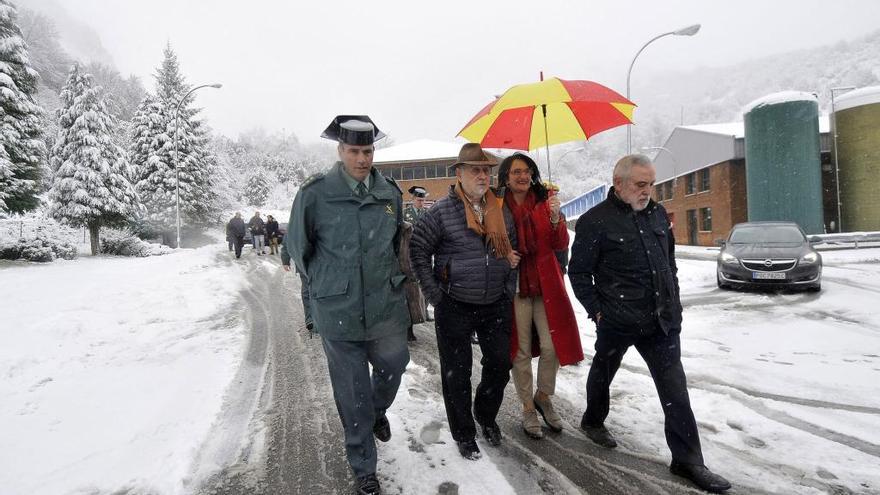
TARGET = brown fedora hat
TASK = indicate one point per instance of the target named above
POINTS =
(473, 154)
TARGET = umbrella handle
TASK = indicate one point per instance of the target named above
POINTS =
(547, 142)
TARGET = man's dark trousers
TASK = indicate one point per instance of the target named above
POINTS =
(662, 354)
(239, 243)
(454, 321)
(359, 397)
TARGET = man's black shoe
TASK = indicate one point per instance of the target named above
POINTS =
(599, 435)
(368, 485)
(701, 476)
(382, 429)
(492, 433)
(469, 450)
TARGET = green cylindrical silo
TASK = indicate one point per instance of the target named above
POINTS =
(857, 117)
(783, 161)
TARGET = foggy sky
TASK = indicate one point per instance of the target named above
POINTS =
(422, 69)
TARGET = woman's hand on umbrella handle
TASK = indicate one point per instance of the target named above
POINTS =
(554, 204)
(513, 258)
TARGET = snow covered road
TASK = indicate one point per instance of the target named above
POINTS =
(190, 373)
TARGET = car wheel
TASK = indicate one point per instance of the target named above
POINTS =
(815, 288)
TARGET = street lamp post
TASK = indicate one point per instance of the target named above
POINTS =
(580, 148)
(176, 164)
(671, 155)
(685, 31)
(836, 167)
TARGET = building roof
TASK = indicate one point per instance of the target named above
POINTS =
(738, 129)
(858, 97)
(418, 150)
(780, 97)
(693, 147)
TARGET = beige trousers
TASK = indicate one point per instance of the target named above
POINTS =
(527, 310)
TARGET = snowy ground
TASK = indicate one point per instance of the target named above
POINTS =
(784, 387)
(115, 370)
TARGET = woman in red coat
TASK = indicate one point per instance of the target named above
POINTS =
(541, 306)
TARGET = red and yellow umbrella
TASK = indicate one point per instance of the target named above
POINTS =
(530, 116)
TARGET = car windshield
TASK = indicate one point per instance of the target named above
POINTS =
(767, 234)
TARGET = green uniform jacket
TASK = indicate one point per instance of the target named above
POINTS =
(347, 246)
(412, 214)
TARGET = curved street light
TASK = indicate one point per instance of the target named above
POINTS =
(176, 167)
(685, 31)
(578, 149)
(671, 155)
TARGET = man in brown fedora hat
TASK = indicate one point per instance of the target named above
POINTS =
(471, 283)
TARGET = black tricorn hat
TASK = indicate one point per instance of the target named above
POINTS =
(357, 130)
(418, 191)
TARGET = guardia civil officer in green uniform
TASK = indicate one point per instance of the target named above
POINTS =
(416, 209)
(343, 235)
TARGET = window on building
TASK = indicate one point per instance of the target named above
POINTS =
(706, 219)
(430, 172)
(690, 183)
(418, 172)
(668, 186)
(658, 192)
(704, 180)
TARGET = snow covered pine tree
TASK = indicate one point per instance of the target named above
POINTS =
(92, 185)
(20, 146)
(198, 199)
(256, 188)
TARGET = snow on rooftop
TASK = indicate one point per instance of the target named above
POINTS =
(737, 129)
(857, 98)
(727, 128)
(781, 97)
(421, 149)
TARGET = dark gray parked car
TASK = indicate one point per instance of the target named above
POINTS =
(771, 255)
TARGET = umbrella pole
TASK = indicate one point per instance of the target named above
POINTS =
(547, 144)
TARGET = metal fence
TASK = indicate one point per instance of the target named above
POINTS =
(848, 239)
(579, 205)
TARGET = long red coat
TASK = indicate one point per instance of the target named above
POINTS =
(560, 315)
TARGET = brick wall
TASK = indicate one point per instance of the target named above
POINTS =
(726, 197)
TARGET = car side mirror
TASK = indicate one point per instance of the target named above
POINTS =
(720, 242)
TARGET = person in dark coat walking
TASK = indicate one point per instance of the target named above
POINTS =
(471, 238)
(236, 229)
(343, 236)
(541, 305)
(272, 234)
(229, 239)
(623, 272)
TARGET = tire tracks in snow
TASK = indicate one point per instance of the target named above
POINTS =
(223, 445)
(560, 459)
(294, 441)
(753, 399)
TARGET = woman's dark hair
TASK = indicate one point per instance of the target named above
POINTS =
(537, 185)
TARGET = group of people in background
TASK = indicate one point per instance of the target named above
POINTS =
(263, 233)
(488, 262)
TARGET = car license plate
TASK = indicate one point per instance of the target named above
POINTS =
(768, 275)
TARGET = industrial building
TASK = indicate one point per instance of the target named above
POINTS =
(777, 164)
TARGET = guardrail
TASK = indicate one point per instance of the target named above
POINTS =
(845, 238)
(579, 205)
